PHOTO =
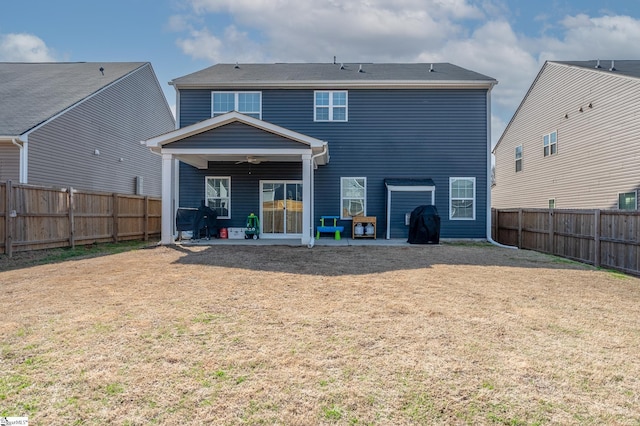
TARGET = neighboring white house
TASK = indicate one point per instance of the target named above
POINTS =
(80, 125)
(574, 141)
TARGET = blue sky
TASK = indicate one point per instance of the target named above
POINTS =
(505, 39)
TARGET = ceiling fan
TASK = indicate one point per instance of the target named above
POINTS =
(251, 160)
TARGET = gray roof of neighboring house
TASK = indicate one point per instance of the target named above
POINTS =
(629, 68)
(31, 93)
(310, 73)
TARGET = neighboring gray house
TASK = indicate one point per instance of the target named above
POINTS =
(574, 141)
(80, 125)
(295, 142)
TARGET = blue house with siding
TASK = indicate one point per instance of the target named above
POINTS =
(294, 142)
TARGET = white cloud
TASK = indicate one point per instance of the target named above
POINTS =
(611, 37)
(24, 48)
(365, 30)
(232, 46)
(201, 44)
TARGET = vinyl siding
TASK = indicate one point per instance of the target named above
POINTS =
(114, 121)
(598, 151)
(9, 162)
(433, 134)
(235, 134)
(245, 185)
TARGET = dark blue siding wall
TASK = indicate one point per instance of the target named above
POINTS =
(245, 185)
(233, 134)
(435, 134)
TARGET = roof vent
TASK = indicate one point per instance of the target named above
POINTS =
(613, 66)
(360, 69)
(341, 66)
(431, 68)
(101, 70)
(598, 64)
(236, 65)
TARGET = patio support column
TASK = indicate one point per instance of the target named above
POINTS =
(167, 200)
(307, 225)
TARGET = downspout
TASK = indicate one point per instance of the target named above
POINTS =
(313, 162)
(489, 239)
(23, 158)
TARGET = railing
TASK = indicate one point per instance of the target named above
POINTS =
(36, 217)
(603, 238)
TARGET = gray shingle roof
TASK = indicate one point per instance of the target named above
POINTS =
(629, 68)
(31, 93)
(259, 74)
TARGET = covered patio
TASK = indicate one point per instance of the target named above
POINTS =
(234, 139)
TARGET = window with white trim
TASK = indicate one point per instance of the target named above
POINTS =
(249, 103)
(462, 194)
(628, 201)
(552, 203)
(330, 105)
(550, 143)
(353, 197)
(218, 195)
(518, 158)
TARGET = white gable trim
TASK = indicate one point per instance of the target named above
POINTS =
(162, 140)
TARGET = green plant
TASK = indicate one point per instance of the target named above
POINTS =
(332, 413)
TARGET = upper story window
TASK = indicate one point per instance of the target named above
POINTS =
(462, 197)
(330, 106)
(518, 158)
(249, 103)
(550, 144)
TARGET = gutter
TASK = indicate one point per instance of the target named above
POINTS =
(489, 239)
(312, 241)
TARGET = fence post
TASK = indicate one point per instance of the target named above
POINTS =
(496, 226)
(8, 221)
(115, 217)
(551, 225)
(72, 222)
(146, 218)
(597, 253)
(519, 228)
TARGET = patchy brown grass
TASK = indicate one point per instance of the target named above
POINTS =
(449, 334)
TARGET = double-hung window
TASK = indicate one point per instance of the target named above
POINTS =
(353, 197)
(249, 103)
(550, 143)
(462, 192)
(330, 105)
(218, 193)
(518, 158)
(628, 201)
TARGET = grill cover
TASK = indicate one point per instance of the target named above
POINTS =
(424, 226)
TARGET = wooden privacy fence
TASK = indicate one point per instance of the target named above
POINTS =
(35, 217)
(606, 238)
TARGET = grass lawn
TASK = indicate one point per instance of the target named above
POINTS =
(372, 335)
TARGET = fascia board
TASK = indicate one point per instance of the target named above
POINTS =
(345, 84)
(232, 151)
(409, 188)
